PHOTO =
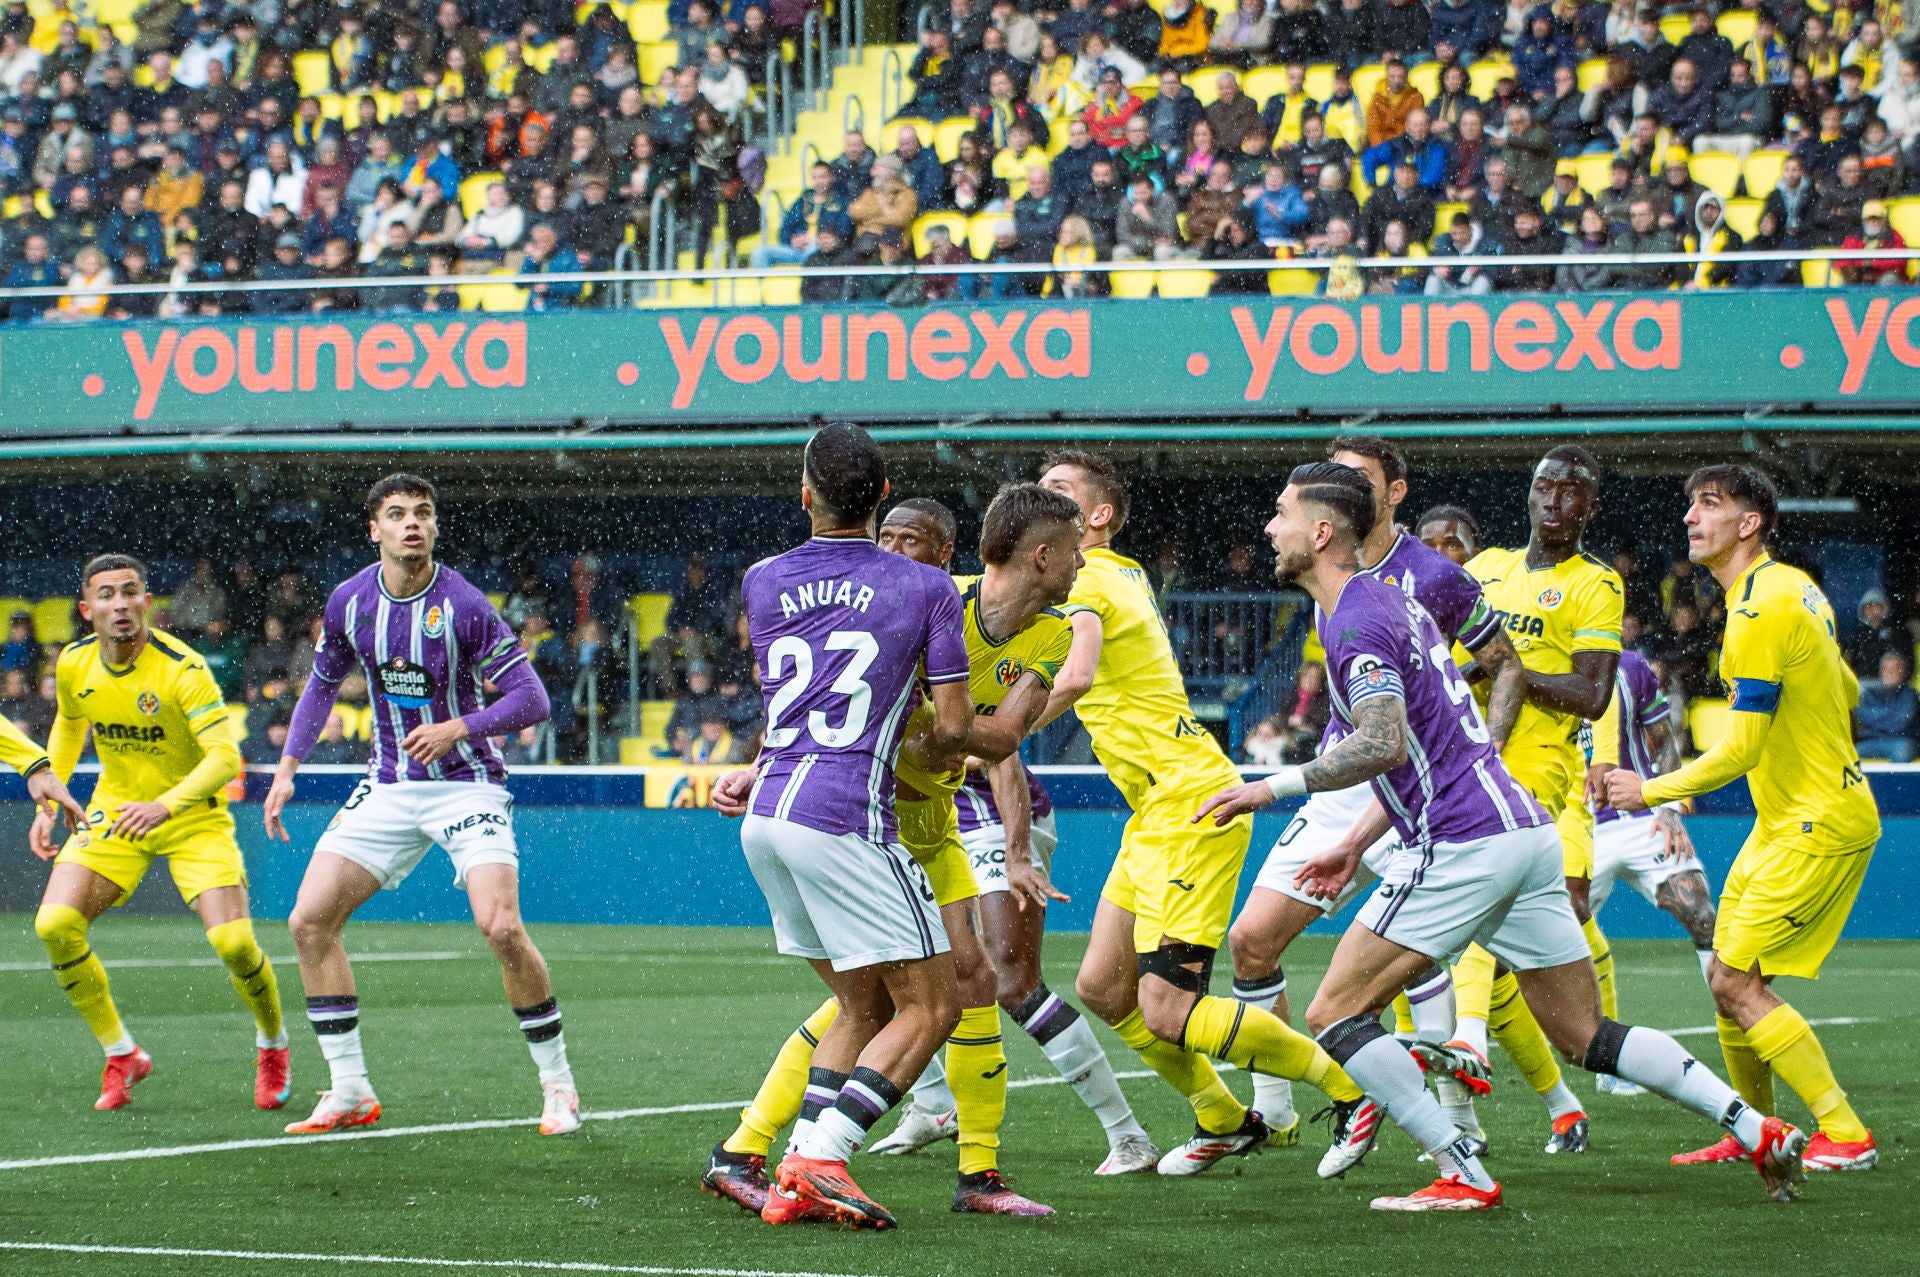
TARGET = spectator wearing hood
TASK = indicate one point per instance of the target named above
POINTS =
(1875, 634)
(1711, 234)
(1769, 237)
(1463, 239)
(1470, 26)
(1540, 48)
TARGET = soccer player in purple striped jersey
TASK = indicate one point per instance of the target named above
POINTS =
(1651, 851)
(1276, 911)
(425, 639)
(843, 632)
(1480, 859)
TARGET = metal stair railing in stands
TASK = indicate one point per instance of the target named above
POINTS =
(893, 89)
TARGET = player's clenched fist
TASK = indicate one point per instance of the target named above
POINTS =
(730, 793)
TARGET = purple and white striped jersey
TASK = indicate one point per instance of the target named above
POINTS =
(1453, 787)
(979, 811)
(424, 658)
(1448, 591)
(1642, 705)
(840, 629)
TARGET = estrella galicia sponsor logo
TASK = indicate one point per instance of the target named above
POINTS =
(434, 623)
(407, 685)
(148, 704)
(489, 823)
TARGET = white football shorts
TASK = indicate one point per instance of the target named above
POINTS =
(841, 898)
(1322, 822)
(386, 829)
(1632, 851)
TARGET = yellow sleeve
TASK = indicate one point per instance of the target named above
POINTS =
(1047, 662)
(207, 717)
(64, 743)
(1599, 610)
(18, 751)
(1606, 732)
(1752, 662)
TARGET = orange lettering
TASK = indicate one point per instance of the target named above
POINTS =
(1078, 361)
(827, 367)
(937, 339)
(1665, 316)
(1345, 340)
(1407, 357)
(280, 375)
(1900, 332)
(1521, 325)
(1263, 350)
(860, 328)
(311, 340)
(728, 359)
(186, 365)
(998, 350)
(1441, 319)
(149, 370)
(688, 361)
(512, 373)
(438, 364)
(1585, 342)
(382, 348)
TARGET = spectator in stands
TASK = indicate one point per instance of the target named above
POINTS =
(920, 166)
(1105, 118)
(1232, 114)
(1531, 238)
(1279, 210)
(1645, 234)
(1592, 236)
(1463, 239)
(1470, 26)
(1429, 155)
(1395, 99)
(1743, 118)
(333, 745)
(823, 283)
(1886, 719)
(936, 78)
(888, 203)
(1537, 53)
(698, 701)
(1769, 238)
(1404, 29)
(1405, 201)
(1563, 115)
(1307, 720)
(1875, 634)
(1566, 199)
(22, 649)
(942, 251)
(1686, 649)
(1331, 199)
(1711, 234)
(263, 747)
(1073, 166)
(200, 600)
(224, 652)
(19, 706)
(1246, 39)
(1839, 207)
(1264, 746)
(1186, 29)
(1875, 232)
(35, 269)
(1710, 52)
(1900, 99)
(1792, 200)
(547, 255)
(1529, 152)
(1216, 200)
(1678, 195)
(853, 171)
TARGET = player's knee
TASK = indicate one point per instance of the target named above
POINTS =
(1253, 949)
(1013, 983)
(311, 932)
(1101, 997)
(506, 935)
(232, 940)
(60, 928)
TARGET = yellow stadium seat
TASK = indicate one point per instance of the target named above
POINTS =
(1485, 75)
(494, 297)
(113, 12)
(648, 22)
(1426, 78)
(924, 128)
(1816, 274)
(494, 58)
(1262, 83)
(142, 76)
(1184, 283)
(473, 191)
(313, 71)
(956, 224)
(649, 612)
(947, 135)
(498, 598)
(1595, 172)
(43, 203)
(1443, 216)
(1762, 171)
(1132, 285)
(1718, 171)
(656, 58)
(1365, 80)
(11, 206)
(332, 105)
(1904, 216)
(53, 620)
(653, 720)
(981, 229)
(540, 56)
(1744, 216)
(1292, 282)
(1707, 722)
(584, 10)
(1205, 82)
(1676, 27)
(1319, 81)
(1591, 73)
(8, 607)
(1737, 25)
(781, 290)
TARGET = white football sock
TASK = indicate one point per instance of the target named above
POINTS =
(1561, 1100)
(1459, 1161)
(1472, 1030)
(1380, 1065)
(1432, 1004)
(1066, 1038)
(1706, 964)
(931, 1094)
(1654, 1060)
(124, 1046)
(833, 1138)
(276, 1043)
(1272, 1096)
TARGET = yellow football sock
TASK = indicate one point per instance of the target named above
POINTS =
(1402, 1016)
(251, 973)
(1519, 1035)
(1473, 984)
(777, 1102)
(1187, 1072)
(1783, 1039)
(977, 1074)
(1603, 968)
(64, 932)
(1260, 1042)
(1750, 1075)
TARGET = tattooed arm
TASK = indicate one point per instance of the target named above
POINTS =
(1666, 758)
(1377, 745)
(1687, 897)
(1497, 659)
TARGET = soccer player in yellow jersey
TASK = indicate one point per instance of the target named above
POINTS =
(1169, 898)
(166, 755)
(1787, 897)
(1563, 611)
(1016, 642)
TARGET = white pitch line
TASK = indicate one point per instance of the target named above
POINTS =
(405, 1261)
(123, 964)
(1700, 1030)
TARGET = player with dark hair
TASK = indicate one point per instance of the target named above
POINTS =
(1786, 900)
(425, 639)
(1276, 911)
(1450, 529)
(1480, 859)
(167, 754)
(1563, 609)
(1164, 909)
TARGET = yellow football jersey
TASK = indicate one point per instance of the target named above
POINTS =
(1780, 660)
(154, 723)
(1576, 605)
(1137, 711)
(993, 667)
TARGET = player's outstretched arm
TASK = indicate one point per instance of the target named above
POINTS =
(1377, 746)
(1585, 691)
(1733, 756)
(1498, 660)
(309, 718)
(1076, 676)
(996, 736)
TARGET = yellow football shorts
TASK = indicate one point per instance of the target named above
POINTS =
(1176, 878)
(930, 831)
(1559, 786)
(1785, 908)
(198, 845)
(1575, 825)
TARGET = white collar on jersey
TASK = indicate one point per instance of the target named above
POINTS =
(382, 582)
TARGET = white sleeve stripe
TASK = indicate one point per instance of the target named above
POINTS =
(947, 678)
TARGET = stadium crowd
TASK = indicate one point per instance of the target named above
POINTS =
(192, 153)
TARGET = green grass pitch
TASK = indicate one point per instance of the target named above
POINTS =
(658, 1018)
